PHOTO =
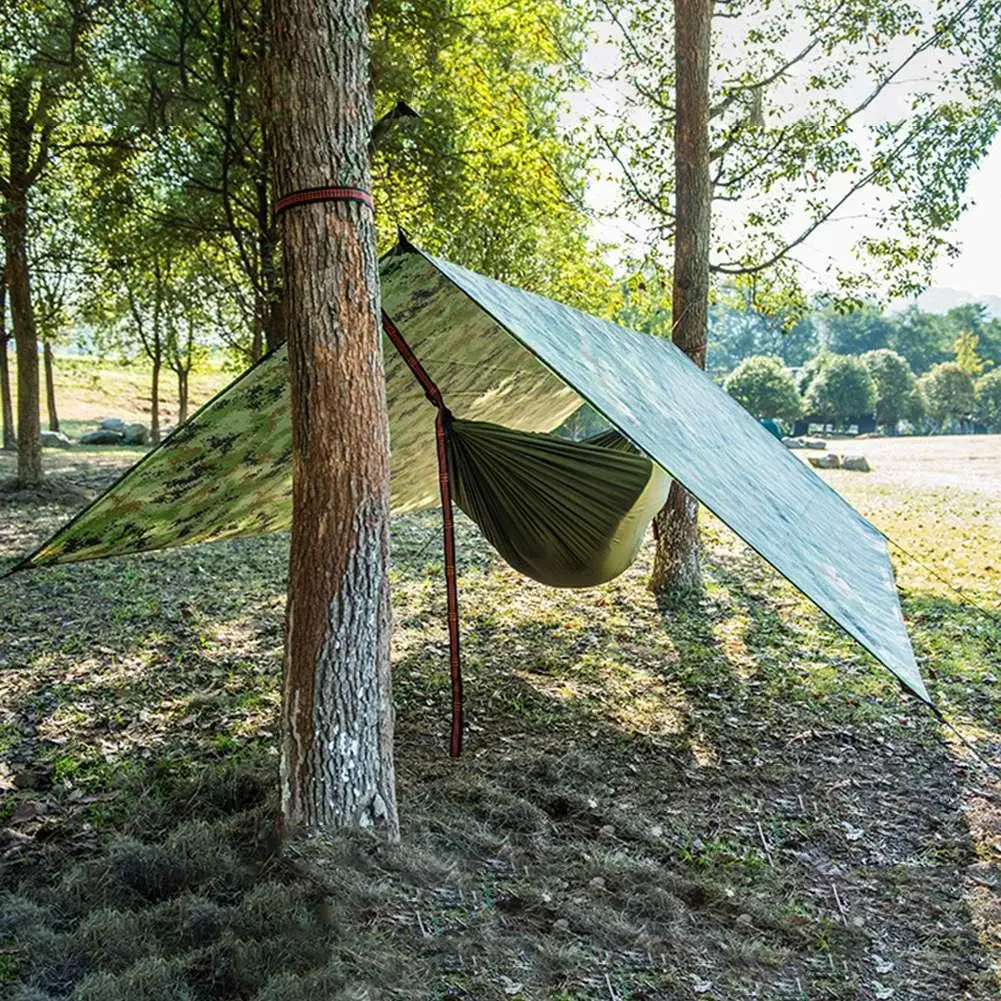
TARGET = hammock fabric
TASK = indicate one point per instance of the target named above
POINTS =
(565, 513)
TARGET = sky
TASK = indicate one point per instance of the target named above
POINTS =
(978, 268)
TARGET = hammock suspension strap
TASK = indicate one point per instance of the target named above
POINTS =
(448, 525)
(325, 194)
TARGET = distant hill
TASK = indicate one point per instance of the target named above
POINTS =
(941, 300)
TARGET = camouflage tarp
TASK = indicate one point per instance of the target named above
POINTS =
(507, 356)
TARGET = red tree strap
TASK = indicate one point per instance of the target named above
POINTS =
(308, 195)
(406, 353)
(447, 524)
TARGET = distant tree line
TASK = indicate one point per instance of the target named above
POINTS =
(922, 371)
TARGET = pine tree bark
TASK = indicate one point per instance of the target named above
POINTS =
(50, 386)
(6, 400)
(676, 561)
(337, 715)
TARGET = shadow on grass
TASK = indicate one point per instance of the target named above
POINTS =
(653, 803)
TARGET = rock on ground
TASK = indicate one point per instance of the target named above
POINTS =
(803, 442)
(855, 463)
(103, 436)
(54, 439)
(136, 434)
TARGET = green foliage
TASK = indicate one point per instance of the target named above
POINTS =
(644, 302)
(894, 384)
(924, 339)
(765, 388)
(967, 358)
(485, 176)
(973, 319)
(857, 331)
(948, 393)
(987, 407)
(738, 330)
(798, 131)
(482, 175)
(841, 389)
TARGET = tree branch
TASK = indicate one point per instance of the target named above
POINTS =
(646, 199)
(751, 269)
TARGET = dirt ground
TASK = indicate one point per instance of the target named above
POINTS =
(958, 462)
(721, 797)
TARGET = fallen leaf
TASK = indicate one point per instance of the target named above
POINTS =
(510, 986)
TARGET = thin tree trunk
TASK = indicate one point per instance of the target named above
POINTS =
(182, 396)
(676, 561)
(267, 233)
(29, 451)
(154, 396)
(257, 343)
(19, 129)
(6, 400)
(50, 386)
(337, 715)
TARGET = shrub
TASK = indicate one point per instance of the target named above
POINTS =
(841, 389)
(765, 387)
(987, 403)
(949, 393)
(894, 384)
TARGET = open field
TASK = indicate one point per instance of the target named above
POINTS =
(721, 798)
(88, 390)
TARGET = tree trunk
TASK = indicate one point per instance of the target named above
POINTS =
(6, 400)
(676, 562)
(182, 396)
(29, 451)
(257, 341)
(154, 398)
(19, 129)
(50, 387)
(337, 715)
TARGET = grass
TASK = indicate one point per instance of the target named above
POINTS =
(89, 389)
(721, 798)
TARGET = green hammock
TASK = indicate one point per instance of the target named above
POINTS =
(566, 513)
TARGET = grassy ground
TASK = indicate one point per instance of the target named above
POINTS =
(720, 799)
(88, 390)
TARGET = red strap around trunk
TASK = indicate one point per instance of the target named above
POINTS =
(331, 194)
